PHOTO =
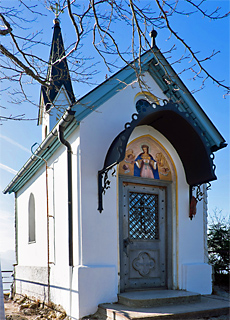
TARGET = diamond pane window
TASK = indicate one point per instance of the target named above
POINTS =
(143, 216)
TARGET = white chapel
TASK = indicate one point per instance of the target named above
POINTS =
(114, 199)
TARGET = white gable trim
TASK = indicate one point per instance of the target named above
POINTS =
(62, 89)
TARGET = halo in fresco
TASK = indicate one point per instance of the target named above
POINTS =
(145, 158)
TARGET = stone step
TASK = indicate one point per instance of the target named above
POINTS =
(155, 298)
(208, 306)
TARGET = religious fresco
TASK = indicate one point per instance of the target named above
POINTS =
(145, 158)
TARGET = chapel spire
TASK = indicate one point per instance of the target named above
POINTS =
(57, 73)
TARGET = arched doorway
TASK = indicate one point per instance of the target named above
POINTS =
(145, 215)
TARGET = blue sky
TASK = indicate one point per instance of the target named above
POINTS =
(17, 137)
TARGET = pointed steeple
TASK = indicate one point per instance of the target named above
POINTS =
(57, 73)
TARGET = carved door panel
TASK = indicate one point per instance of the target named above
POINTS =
(143, 253)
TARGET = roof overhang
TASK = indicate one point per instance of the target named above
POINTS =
(182, 132)
(168, 81)
(44, 151)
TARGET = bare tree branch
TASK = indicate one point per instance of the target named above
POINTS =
(220, 83)
(19, 63)
(22, 64)
(211, 15)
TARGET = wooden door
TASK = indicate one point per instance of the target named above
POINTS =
(142, 236)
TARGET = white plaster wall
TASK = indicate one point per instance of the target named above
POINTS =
(32, 281)
(59, 206)
(64, 279)
(32, 269)
(34, 253)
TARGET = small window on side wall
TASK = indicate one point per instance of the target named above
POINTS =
(31, 211)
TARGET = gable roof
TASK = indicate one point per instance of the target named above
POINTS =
(165, 77)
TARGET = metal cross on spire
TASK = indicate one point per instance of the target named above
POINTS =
(56, 10)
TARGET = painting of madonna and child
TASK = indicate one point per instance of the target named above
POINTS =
(146, 158)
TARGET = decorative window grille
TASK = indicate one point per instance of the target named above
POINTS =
(143, 216)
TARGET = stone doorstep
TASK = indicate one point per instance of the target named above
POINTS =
(208, 306)
(155, 298)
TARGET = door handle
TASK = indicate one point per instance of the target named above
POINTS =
(126, 242)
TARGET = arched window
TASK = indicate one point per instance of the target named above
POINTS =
(31, 211)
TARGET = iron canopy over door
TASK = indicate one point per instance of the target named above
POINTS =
(143, 236)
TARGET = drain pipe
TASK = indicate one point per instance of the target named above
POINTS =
(70, 209)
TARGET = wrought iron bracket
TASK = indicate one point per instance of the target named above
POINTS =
(104, 184)
(199, 196)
